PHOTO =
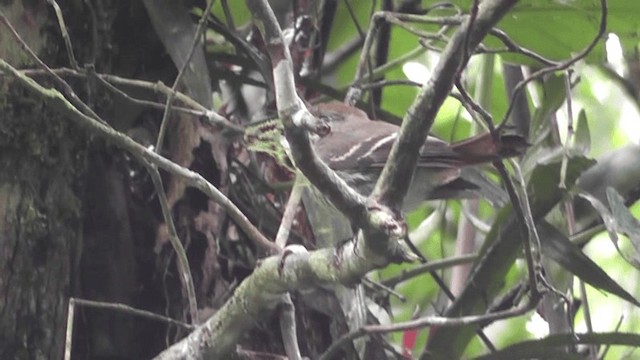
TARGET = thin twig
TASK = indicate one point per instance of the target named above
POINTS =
(65, 34)
(392, 19)
(355, 90)
(616, 328)
(227, 15)
(184, 271)
(467, 106)
(66, 89)
(383, 83)
(107, 80)
(513, 47)
(569, 136)
(354, 18)
(290, 211)
(286, 309)
(129, 310)
(434, 266)
(354, 94)
(424, 322)
(453, 20)
(288, 329)
(333, 59)
(519, 204)
(94, 32)
(570, 212)
(563, 65)
(379, 286)
(61, 104)
(473, 14)
(68, 341)
(196, 38)
(467, 99)
(392, 64)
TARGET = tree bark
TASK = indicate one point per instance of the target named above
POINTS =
(65, 221)
(41, 158)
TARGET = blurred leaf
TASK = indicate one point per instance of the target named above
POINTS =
(543, 186)
(619, 220)
(543, 149)
(554, 29)
(246, 55)
(554, 346)
(625, 221)
(610, 224)
(619, 169)
(553, 96)
(345, 29)
(582, 139)
(558, 247)
(502, 246)
(238, 10)
(557, 29)
(176, 30)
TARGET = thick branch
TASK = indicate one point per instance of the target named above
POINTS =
(394, 182)
(380, 225)
(298, 120)
(261, 292)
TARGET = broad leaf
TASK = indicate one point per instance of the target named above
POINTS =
(553, 96)
(500, 250)
(625, 221)
(558, 247)
(582, 139)
(611, 223)
(558, 29)
(619, 169)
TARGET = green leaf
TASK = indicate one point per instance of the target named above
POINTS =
(344, 30)
(554, 29)
(553, 96)
(498, 254)
(397, 99)
(267, 137)
(237, 9)
(627, 224)
(582, 139)
(610, 222)
(558, 247)
(619, 169)
(558, 29)
(543, 186)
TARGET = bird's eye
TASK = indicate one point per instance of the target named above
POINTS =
(323, 127)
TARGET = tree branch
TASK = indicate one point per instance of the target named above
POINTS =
(394, 182)
(59, 103)
(378, 223)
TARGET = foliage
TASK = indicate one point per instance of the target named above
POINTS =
(577, 192)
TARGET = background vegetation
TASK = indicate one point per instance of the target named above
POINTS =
(85, 213)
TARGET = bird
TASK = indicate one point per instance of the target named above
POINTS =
(357, 148)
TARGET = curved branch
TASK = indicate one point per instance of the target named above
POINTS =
(565, 64)
(383, 230)
(394, 182)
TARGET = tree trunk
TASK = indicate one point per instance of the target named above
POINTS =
(41, 159)
(65, 216)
